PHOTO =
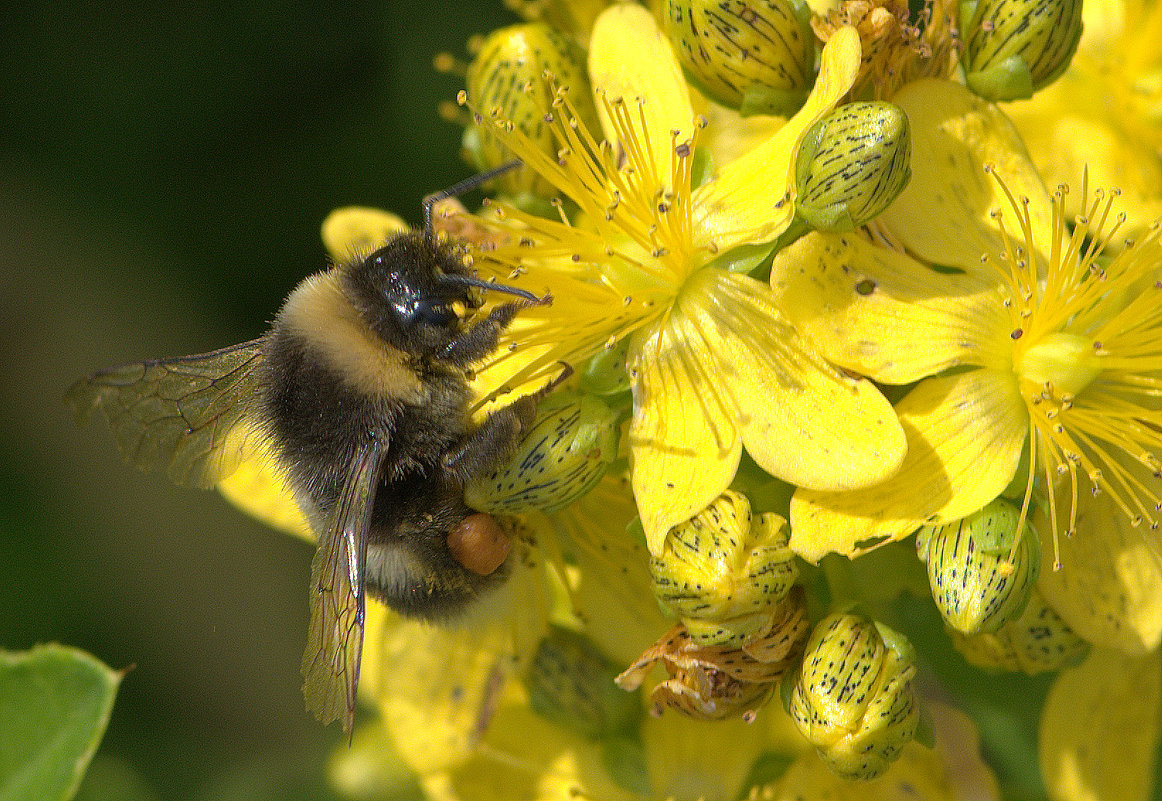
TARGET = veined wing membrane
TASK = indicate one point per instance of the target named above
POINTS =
(335, 635)
(177, 414)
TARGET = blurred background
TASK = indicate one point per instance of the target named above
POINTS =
(163, 175)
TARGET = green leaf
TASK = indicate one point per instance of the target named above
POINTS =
(54, 705)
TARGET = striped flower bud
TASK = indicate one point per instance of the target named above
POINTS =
(565, 451)
(1036, 642)
(506, 80)
(724, 570)
(1012, 48)
(975, 584)
(852, 164)
(757, 56)
(853, 699)
(571, 683)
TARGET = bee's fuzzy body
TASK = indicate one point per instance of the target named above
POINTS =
(360, 390)
(332, 378)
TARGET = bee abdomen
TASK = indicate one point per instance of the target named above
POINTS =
(317, 422)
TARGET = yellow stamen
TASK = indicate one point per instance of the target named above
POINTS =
(621, 268)
(1087, 346)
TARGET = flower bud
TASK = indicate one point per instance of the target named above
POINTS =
(852, 164)
(716, 682)
(1036, 642)
(723, 571)
(574, 17)
(853, 699)
(975, 584)
(571, 683)
(1012, 48)
(566, 450)
(757, 56)
(606, 372)
(506, 80)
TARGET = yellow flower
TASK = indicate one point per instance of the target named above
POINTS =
(714, 365)
(1105, 112)
(680, 759)
(1100, 728)
(525, 756)
(437, 687)
(1110, 589)
(1044, 353)
(572, 17)
(952, 770)
(456, 701)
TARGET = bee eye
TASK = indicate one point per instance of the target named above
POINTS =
(438, 314)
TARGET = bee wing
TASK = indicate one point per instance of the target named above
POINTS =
(335, 636)
(176, 414)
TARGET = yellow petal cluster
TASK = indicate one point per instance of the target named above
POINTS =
(880, 306)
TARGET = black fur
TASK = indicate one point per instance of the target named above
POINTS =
(319, 423)
(397, 292)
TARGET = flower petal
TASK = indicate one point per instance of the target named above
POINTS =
(1104, 21)
(1109, 586)
(729, 135)
(883, 314)
(352, 230)
(952, 770)
(1066, 147)
(1099, 728)
(525, 756)
(944, 214)
(965, 434)
(437, 687)
(705, 759)
(801, 420)
(630, 58)
(684, 443)
(259, 488)
(613, 588)
(751, 198)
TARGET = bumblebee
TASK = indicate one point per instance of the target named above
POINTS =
(360, 392)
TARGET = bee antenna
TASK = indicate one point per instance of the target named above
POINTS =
(467, 280)
(457, 189)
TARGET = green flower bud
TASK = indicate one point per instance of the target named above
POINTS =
(975, 585)
(723, 571)
(1036, 642)
(571, 683)
(1012, 48)
(853, 698)
(757, 56)
(606, 373)
(564, 453)
(506, 79)
(852, 164)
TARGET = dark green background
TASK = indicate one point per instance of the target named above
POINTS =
(163, 174)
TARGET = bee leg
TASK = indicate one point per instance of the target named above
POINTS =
(480, 339)
(497, 436)
(482, 448)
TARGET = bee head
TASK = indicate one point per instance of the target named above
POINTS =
(416, 294)
(413, 293)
